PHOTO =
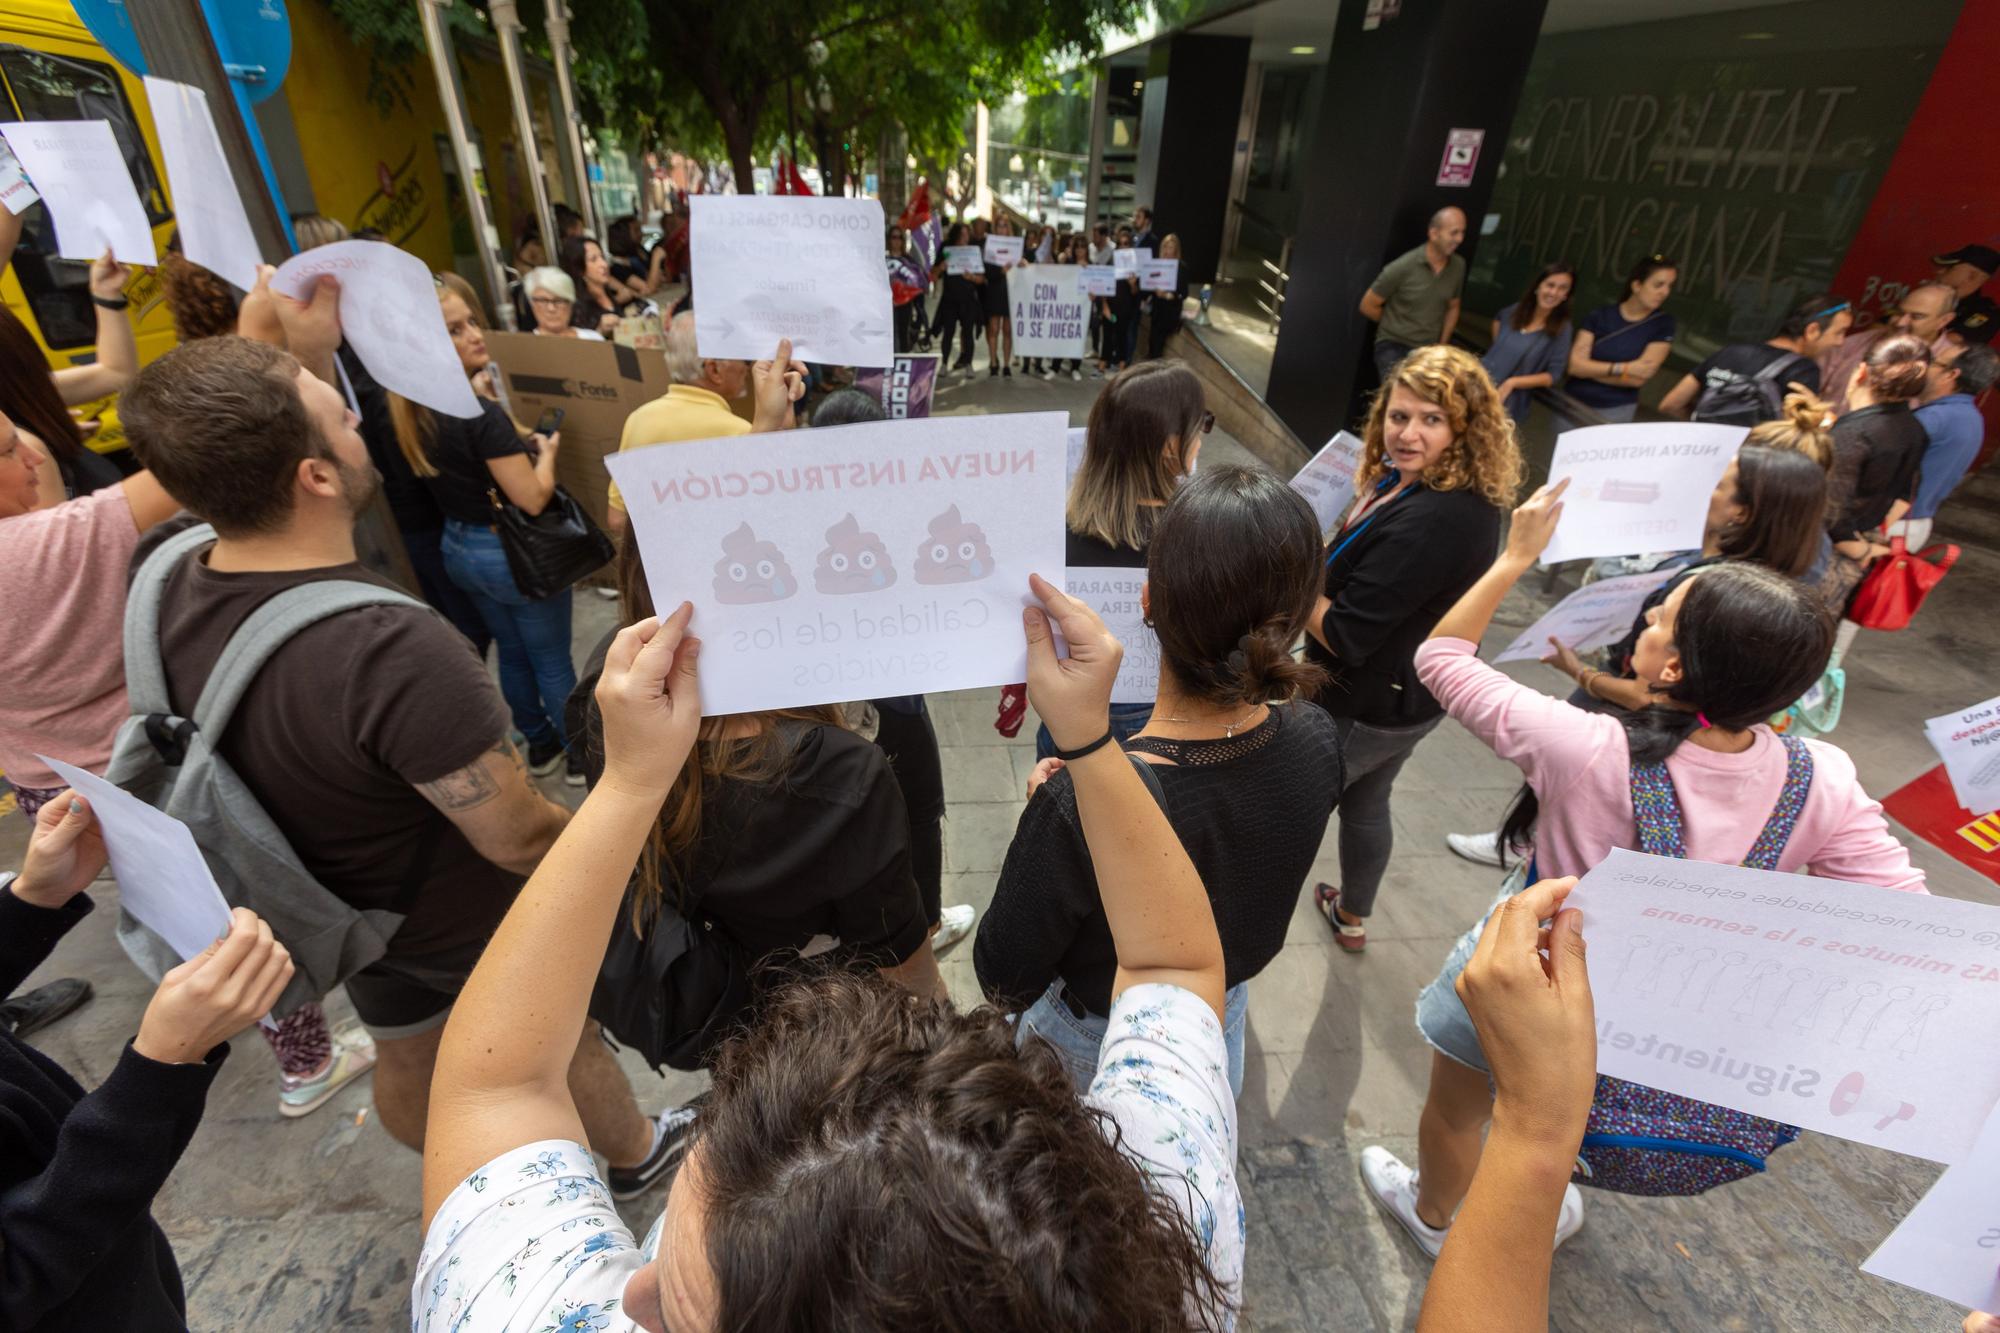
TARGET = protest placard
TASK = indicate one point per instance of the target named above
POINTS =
(963, 260)
(1638, 487)
(1078, 439)
(1928, 807)
(906, 388)
(1051, 312)
(82, 177)
(390, 315)
(1833, 1006)
(1113, 592)
(208, 209)
(1159, 275)
(853, 562)
(1327, 481)
(1969, 743)
(1100, 279)
(1126, 260)
(1594, 615)
(1005, 251)
(17, 192)
(1949, 1244)
(802, 267)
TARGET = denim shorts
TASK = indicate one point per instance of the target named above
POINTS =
(1441, 1015)
(1078, 1040)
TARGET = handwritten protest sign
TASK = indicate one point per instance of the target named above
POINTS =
(1591, 617)
(1159, 275)
(1949, 1245)
(1113, 592)
(389, 312)
(1833, 1006)
(1004, 251)
(963, 259)
(1126, 260)
(1639, 487)
(82, 177)
(790, 266)
(215, 231)
(1051, 311)
(17, 193)
(1969, 743)
(906, 388)
(852, 562)
(1100, 279)
(1327, 481)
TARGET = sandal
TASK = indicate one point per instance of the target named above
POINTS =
(1351, 938)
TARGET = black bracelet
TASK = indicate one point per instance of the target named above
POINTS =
(1069, 755)
(110, 302)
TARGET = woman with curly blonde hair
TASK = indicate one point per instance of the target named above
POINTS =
(1439, 467)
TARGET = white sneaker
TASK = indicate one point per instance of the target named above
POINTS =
(1479, 848)
(1570, 1220)
(1395, 1188)
(954, 924)
(1076, 375)
(353, 1055)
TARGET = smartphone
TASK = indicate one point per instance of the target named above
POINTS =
(551, 420)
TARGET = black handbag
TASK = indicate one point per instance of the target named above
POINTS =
(674, 993)
(550, 551)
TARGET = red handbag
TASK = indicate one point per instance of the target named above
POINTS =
(1893, 590)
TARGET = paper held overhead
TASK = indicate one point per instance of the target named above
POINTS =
(17, 192)
(1637, 488)
(784, 266)
(82, 177)
(208, 209)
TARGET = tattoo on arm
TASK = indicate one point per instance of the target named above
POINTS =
(470, 786)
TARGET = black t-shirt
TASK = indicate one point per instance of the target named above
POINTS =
(415, 509)
(1081, 551)
(85, 472)
(1742, 361)
(462, 448)
(1251, 812)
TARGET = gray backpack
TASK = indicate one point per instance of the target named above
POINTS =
(170, 762)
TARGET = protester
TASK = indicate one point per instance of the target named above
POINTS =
(1032, 243)
(1142, 226)
(1120, 313)
(1954, 429)
(1100, 244)
(642, 274)
(1249, 772)
(1927, 312)
(1878, 447)
(1530, 347)
(38, 399)
(961, 308)
(312, 230)
(1729, 648)
(201, 304)
(907, 282)
(1413, 301)
(78, 1170)
(999, 314)
(1075, 250)
(1745, 383)
(1619, 347)
(1439, 463)
(1164, 321)
(1075, 1218)
(552, 298)
(601, 299)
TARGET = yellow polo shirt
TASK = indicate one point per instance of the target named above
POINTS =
(686, 413)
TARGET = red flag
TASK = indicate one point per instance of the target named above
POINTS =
(918, 210)
(787, 179)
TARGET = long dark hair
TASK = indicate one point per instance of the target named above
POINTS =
(1125, 459)
(1751, 642)
(1524, 309)
(1232, 573)
(28, 393)
(1785, 495)
(573, 256)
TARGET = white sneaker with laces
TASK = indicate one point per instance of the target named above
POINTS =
(353, 1055)
(954, 924)
(1394, 1186)
(1479, 848)
(1570, 1220)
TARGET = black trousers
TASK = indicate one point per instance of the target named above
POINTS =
(909, 741)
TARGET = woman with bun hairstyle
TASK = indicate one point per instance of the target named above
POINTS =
(1878, 444)
(1439, 466)
(1247, 771)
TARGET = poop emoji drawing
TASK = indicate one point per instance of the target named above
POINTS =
(752, 570)
(853, 561)
(955, 552)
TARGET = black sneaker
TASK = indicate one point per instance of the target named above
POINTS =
(573, 770)
(30, 1013)
(543, 756)
(675, 1124)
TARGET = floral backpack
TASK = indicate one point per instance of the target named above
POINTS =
(1640, 1140)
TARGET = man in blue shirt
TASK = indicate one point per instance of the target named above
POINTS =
(1958, 375)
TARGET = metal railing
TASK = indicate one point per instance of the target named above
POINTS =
(1273, 284)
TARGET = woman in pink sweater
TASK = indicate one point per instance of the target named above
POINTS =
(1730, 647)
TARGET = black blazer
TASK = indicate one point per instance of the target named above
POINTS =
(1390, 586)
(1877, 451)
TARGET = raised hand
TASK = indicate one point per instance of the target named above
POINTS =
(107, 277)
(775, 385)
(216, 994)
(1535, 523)
(1073, 694)
(649, 696)
(65, 852)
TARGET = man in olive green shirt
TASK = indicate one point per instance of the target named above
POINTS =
(1414, 299)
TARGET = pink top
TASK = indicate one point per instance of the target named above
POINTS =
(1580, 769)
(62, 657)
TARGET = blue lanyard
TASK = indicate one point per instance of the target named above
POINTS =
(1362, 526)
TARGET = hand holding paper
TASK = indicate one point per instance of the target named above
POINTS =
(386, 304)
(1073, 693)
(65, 852)
(82, 176)
(216, 994)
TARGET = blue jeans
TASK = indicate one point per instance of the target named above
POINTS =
(1441, 1015)
(536, 674)
(425, 549)
(1077, 1040)
(1126, 720)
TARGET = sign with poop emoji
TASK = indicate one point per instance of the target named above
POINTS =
(853, 562)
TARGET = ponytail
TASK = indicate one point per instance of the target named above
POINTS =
(416, 430)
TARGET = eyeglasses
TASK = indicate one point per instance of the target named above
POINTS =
(550, 301)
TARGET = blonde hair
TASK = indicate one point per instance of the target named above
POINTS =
(312, 230)
(1803, 429)
(415, 426)
(1127, 472)
(1484, 455)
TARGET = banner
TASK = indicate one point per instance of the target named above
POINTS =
(1969, 743)
(1114, 593)
(906, 388)
(1637, 488)
(208, 209)
(1327, 481)
(1004, 251)
(1051, 312)
(808, 268)
(82, 177)
(1100, 279)
(1594, 615)
(852, 562)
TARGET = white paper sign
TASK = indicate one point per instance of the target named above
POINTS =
(215, 231)
(1841, 1008)
(1113, 592)
(82, 177)
(1051, 311)
(1591, 617)
(1159, 275)
(1126, 260)
(17, 193)
(791, 266)
(1078, 438)
(1327, 481)
(1005, 251)
(963, 259)
(163, 881)
(1949, 1245)
(1969, 743)
(390, 314)
(1636, 488)
(1100, 279)
(852, 562)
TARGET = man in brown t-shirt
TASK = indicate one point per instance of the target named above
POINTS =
(375, 739)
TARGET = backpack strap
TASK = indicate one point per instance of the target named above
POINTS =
(1770, 844)
(1773, 369)
(1657, 809)
(145, 674)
